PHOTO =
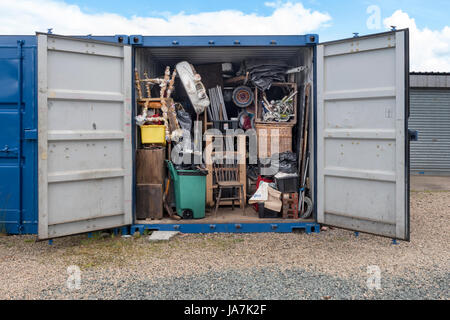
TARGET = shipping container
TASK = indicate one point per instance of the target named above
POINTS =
(68, 135)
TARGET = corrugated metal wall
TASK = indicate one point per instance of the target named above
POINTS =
(430, 115)
(18, 135)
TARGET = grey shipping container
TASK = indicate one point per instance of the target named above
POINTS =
(80, 145)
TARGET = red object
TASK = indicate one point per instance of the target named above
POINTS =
(159, 122)
(247, 123)
(258, 181)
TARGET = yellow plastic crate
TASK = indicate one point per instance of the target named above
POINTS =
(154, 134)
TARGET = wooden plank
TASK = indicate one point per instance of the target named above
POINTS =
(154, 103)
(209, 177)
(242, 166)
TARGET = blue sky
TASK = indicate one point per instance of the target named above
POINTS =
(428, 21)
(347, 16)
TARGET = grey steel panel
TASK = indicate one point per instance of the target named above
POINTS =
(361, 138)
(84, 136)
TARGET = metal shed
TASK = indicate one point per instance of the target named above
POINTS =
(430, 115)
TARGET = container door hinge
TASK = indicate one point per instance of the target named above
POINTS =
(135, 39)
(30, 134)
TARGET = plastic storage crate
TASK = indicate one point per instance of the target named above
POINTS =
(265, 213)
(153, 134)
(223, 125)
(287, 184)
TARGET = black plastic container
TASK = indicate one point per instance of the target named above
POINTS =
(223, 125)
(287, 184)
(264, 213)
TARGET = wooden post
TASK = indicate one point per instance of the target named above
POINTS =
(209, 177)
(241, 153)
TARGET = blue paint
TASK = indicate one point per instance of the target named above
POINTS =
(284, 227)
(227, 41)
(125, 231)
(18, 121)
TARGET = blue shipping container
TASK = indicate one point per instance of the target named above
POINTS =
(52, 184)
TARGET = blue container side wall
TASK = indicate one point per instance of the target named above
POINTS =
(18, 124)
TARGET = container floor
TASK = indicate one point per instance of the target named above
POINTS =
(225, 215)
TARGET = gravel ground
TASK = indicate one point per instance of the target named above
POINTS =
(329, 265)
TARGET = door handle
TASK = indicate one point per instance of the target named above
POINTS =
(6, 149)
(413, 135)
(30, 134)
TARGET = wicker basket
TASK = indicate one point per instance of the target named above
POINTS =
(265, 132)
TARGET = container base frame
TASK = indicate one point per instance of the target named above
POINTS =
(284, 227)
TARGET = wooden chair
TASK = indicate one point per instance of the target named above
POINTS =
(227, 177)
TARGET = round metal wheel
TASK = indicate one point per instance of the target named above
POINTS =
(242, 96)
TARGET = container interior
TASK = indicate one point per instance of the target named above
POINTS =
(153, 61)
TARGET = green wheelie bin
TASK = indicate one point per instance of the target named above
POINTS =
(190, 191)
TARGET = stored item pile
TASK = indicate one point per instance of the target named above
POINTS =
(263, 97)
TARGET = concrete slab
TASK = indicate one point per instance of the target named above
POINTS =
(162, 235)
(430, 183)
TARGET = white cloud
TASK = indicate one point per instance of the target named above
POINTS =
(26, 17)
(429, 49)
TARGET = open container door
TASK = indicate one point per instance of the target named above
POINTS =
(84, 136)
(362, 136)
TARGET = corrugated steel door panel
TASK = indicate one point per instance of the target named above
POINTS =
(361, 134)
(430, 115)
(9, 140)
(85, 149)
(17, 146)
